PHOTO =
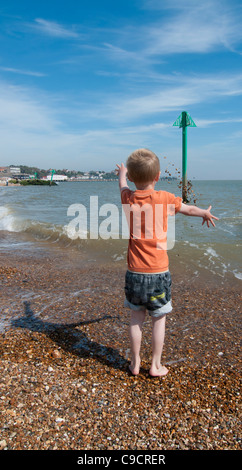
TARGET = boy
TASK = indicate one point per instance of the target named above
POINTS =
(148, 280)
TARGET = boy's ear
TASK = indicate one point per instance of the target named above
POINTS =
(129, 178)
(157, 176)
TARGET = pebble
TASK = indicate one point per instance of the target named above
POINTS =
(56, 354)
(3, 444)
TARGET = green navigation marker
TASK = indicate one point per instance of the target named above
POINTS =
(184, 120)
(52, 174)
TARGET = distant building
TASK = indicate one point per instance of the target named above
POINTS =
(57, 178)
(15, 170)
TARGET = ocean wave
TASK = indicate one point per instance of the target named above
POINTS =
(11, 222)
(60, 236)
(218, 258)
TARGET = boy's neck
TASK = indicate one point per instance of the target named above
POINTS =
(145, 187)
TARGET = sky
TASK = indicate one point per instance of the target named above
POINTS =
(84, 83)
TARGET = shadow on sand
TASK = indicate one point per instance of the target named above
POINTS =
(71, 339)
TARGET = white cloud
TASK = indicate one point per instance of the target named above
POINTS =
(54, 29)
(22, 72)
(34, 127)
(121, 54)
(211, 122)
(186, 92)
(190, 27)
(24, 109)
(30, 109)
(196, 28)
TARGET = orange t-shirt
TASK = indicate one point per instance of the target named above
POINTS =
(147, 215)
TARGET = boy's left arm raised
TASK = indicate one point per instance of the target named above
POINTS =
(122, 173)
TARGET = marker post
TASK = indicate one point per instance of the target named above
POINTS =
(183, 121)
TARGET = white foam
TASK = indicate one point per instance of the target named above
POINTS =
(237, 275)
(7, 220)
(212, 252)
(192, 245)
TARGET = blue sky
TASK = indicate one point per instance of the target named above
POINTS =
(84, 83)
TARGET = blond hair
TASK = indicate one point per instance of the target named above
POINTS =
(143, 166)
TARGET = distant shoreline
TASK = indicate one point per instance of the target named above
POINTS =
(3, 183)
(91, 180)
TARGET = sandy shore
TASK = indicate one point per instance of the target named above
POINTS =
(64, 363)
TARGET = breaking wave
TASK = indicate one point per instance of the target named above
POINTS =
(218, 258)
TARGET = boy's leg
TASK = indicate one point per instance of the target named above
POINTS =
(158, 336)
(136, 323)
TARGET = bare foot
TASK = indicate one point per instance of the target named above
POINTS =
(162, 371)
(134, 369)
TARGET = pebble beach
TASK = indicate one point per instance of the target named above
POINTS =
(64, 344)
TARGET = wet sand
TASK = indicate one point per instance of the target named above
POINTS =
(64, 348)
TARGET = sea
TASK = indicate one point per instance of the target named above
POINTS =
(85, 219)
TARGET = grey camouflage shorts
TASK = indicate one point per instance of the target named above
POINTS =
(148, 291)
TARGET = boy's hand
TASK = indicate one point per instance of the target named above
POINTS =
(121, 169)
(122, 172)
(208, 217)
(195, 211)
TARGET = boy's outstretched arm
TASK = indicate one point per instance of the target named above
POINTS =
(122, 172)
(195, 211)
